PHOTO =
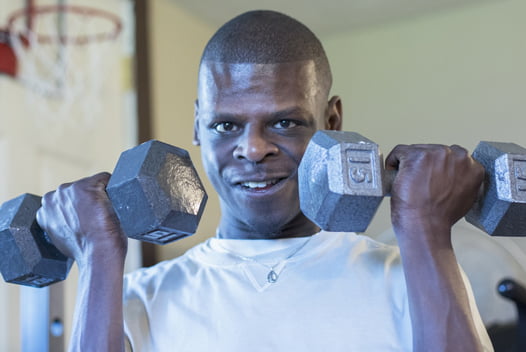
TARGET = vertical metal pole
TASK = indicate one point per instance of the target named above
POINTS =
(42, 318)
(56, 317)
(34, 311)
(144, 106)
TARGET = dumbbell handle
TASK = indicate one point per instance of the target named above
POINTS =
(390, 175)
(388, 180)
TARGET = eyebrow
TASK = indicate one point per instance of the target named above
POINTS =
(282, 114)
(293, 111)
(223, 116)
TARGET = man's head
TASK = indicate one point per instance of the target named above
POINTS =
(264, 81)
(267, 37)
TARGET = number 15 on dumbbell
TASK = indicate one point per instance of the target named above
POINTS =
(342, 182)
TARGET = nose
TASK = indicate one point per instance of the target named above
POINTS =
(254, 146)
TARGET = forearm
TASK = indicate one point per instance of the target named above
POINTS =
(438, 301)
(98, 321)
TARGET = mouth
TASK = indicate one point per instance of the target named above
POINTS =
(260, 185)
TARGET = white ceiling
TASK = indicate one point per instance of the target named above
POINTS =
(325, 16)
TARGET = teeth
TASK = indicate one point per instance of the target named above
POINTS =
(258, 184)
(255, 184)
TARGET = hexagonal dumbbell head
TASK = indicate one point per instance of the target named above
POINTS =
(341, 181)
(156, 193)
(501, 211)
(27, 256)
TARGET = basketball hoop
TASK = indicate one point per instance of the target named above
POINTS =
(61, 56)
(69, 39)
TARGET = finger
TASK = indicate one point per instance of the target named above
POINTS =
(404, 152)
(99, 178)
(459, 151)
(458, 148)
(52, 206)
(392, 161)
(41, 212)
(41, 218)
(97, 182)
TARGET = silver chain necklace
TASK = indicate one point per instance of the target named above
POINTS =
(272, 276)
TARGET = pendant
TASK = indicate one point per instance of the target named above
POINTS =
(272, 277)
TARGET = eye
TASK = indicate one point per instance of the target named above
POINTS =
(225, 127)
(284, 124)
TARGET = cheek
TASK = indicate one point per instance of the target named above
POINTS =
(211, 168)
(294, 152)
(215, 156)
(209, 159)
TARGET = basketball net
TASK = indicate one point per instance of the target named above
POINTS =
(64, 60)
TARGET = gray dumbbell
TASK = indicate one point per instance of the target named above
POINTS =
(154, 190)
(27, 256)
(342, 182)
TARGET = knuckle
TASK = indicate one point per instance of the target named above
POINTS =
(103, 178)
(72, 190)
(441, 150)
(47, 198)
(106, 175)
(399, 149)
(459, 151)
(96, 182)
(40, 216)
(63, 187)
(401, 146)
(458, 148)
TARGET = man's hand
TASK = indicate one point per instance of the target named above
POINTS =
(436, 185)
(79, 219)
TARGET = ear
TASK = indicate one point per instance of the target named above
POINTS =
(196, 140)
(334, 116)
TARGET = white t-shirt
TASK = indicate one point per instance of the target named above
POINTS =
(486, 260)
(338, 292)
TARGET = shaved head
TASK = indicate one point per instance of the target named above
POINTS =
(267, 37)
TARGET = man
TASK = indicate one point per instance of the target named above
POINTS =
(270, 280)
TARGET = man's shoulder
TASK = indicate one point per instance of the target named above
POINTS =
(357, 260)
(363, 244)
(360, 251)
(156, 274)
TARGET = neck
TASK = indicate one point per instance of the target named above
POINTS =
(298, 227)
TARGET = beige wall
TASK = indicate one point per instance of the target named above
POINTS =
(454, 77)
(177, 40)
(46, 141)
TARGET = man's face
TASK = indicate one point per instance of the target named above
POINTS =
(253, 122)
